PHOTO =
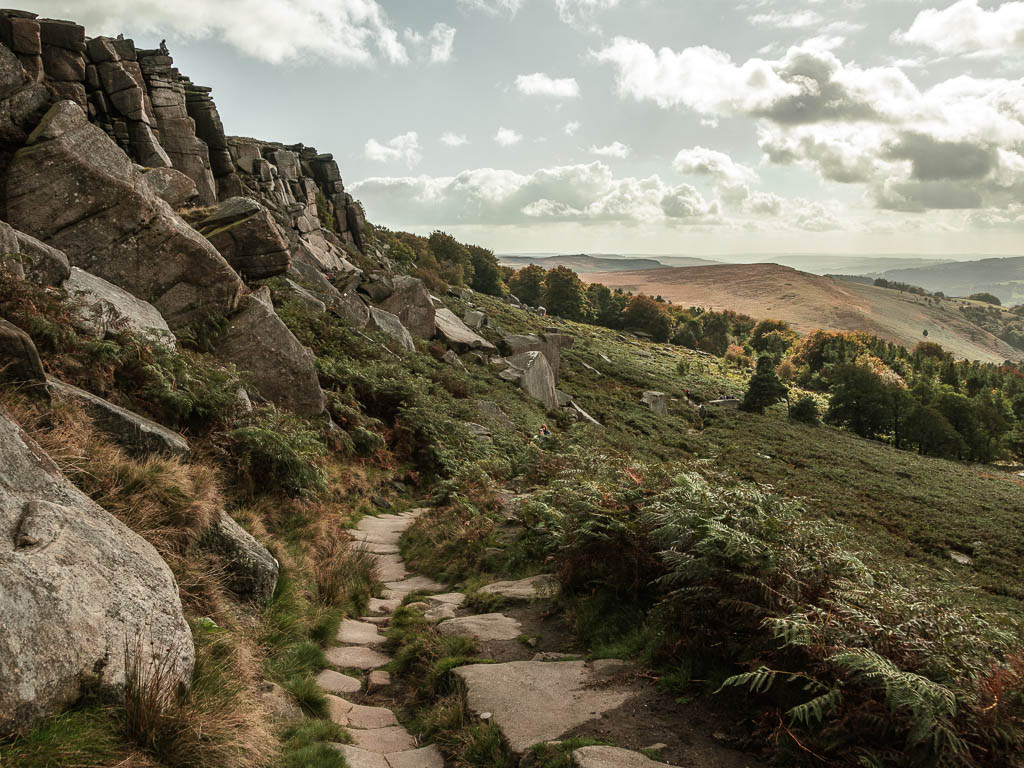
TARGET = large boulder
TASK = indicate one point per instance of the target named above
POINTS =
(352, 309)
(390, 325)
(248, 237)
(251, 569)
(457, 335)
(79, 592)
(76, 190)
(280, 368)
(103, 308)
(136, 433)
(23, 100)
(410, 302)
(534, 376)
(173, 187)
(656, 401)
(550, 344)
(31, 259)
(19, 360)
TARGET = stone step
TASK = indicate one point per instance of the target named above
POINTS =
(390, 568)
(386, 606)
(378, 549)
(358, 633)
(369, 718)
(425, 757)
(337, 683)
(378, 679)
(338, 709)
(380, 621)
(356, 657)
(524, 589)
(611, 757)
(414, 584)
(483, 626)
(384, 740)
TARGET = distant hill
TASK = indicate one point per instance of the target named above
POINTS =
(586, 263)
(811, 301)
(1002, 277)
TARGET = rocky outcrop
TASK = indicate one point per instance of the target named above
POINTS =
(533, 374)
(457, 336)
(76, 587)
(245, 234)
(280, 368)
(75, 190)
(390, 325)
(19, 360)
(251, 569)
(173, 187)
(30, 259)
(656, 401)
(104, 308)
(410, 302)
(135, 433)
(550, 344)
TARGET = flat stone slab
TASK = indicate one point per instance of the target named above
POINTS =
(484, 626)
(448, 598)
(390, 568)
(369, 718)
(440, 612)
(337, 683)
(427, 757)
(535, 701)
(378, 679)
(379, 549)
(358, 633)
(361, 758)
(386, 538)
(357, 657)
(524, 589)
(611, 757)
(384, 740)
(380, 621)
(415, 584)
(339, 709)
(376, 605)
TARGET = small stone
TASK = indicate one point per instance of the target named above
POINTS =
(485, 716)
(378, 679)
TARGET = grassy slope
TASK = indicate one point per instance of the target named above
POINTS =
(811, 302)
(898, 503)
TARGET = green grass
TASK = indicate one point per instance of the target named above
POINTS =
(304, 745)
(87, 734)
(560, 755)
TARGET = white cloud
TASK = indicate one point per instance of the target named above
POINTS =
(719, 166)
(437, 46)
(540, 84)
(348, 32)
(573, 11)
(587, 194)
(966, 28)
(506, 137)
(615, 149)
(450, 139)
(405, 148)
(510, 7)
(794, 20)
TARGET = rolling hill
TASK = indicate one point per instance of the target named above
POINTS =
(1002, 277)
(583, 262)
(810, 302)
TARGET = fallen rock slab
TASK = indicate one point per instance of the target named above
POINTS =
(611, 757)
(426, 757)
(656, 401)
(251, 570)
(357, 657)
(19, 358)
(246, 235)
(106, 308)
(390, 325)
(536, 701)
(411, 303)
(484, 626)
(457, 335)
(130, 430)
(524, 589)
(534, 376)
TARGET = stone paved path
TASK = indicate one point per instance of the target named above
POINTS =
(529, 701)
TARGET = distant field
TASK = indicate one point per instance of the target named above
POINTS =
(811, 302)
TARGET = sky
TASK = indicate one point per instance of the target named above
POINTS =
(696, 127)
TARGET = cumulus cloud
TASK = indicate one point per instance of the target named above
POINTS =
(450, 139)
(437, 46)
(588, 193)
(347, 32)
(510, 7)
(507, 137)
(572, 127)
(615, 149)
(573, 11)
(405, 148)
(702, 161)
(540, 84)
(794, 20)
(966, 28)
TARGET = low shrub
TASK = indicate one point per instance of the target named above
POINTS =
(278, 451)
(805, 410)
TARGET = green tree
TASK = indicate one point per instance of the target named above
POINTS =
(714, 336)
(646, 314)
(452, 256)
(860, 401)
(932, 432)
(528, 284)
(765, 388)
(565, 295)
(772, 336)
(486, 272)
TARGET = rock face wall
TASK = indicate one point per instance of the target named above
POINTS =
(161, 119)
